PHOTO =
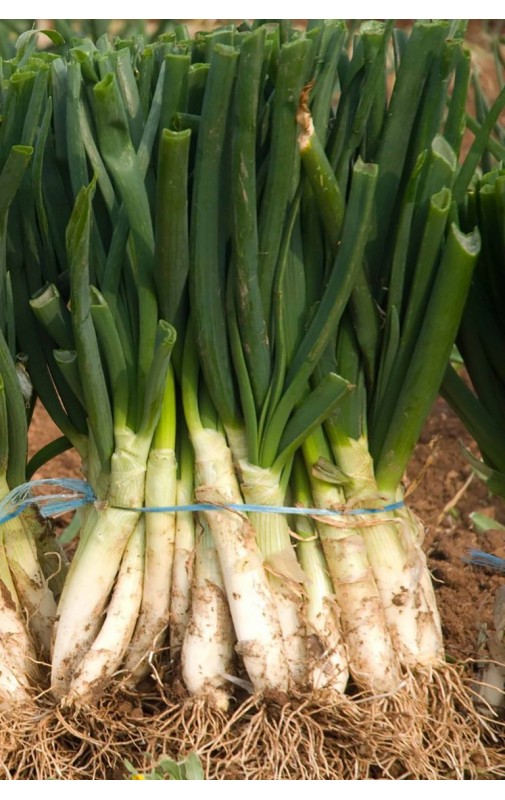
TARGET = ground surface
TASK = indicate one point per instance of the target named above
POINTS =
(465, 593)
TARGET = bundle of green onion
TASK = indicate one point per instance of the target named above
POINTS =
(481, 336)
(253, 299)
(27, 593)
(481, 407)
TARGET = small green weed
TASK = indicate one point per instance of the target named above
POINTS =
(189, 769)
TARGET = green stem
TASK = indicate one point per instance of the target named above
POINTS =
(431, 355)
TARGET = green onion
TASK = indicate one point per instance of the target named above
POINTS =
(258, 190)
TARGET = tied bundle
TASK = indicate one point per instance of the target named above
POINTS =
(238, 270)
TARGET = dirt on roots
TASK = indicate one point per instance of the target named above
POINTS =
(428, 730)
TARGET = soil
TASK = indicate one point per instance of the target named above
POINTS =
(446, 496)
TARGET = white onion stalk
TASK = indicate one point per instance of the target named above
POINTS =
(404, 581)
(152, 622)
(160, 490)
(398, 563)
(372, 659)
(491, 684)
(327, 652)
(373, 662)
(16, 649)
(107, 651)
(261, 486)
(182, 570)
(34, 594)
(94, 569)
(27, 606)
(208, 647)
(31, 589)
(14, 686)
(253, 609)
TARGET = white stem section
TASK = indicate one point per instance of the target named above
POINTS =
(397, 560)
(287, 580)
(17, 663)
(16, 654)
(248, 590)
(404, 582)
(32, 589)
(372, 659)
(14, 686)
(182, 571)
(94, 569)
(152, 623)
(327, 652)
(107, 651)
(492, 686)
(25, 601)
(208, 647)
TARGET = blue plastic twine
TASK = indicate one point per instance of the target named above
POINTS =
(299, 510)
(79, 493)
(480, 559)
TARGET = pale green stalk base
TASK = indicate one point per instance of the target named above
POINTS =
(248, 591)
(327, 652)
(398, 563)
(14, 685)
(286, 577)
(404, 582)
(34, 594)
(24, 578)
(17, 652)
(182, 571)
(208, 648)
(372, 660)
(17, 664)
(152, 622)
(491, 686)
(94, 569)
(107, 651)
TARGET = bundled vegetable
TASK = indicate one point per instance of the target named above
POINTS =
(27, 604)
(393, 345)
(251, 303)
(480, 342)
